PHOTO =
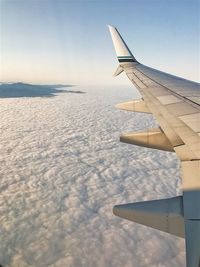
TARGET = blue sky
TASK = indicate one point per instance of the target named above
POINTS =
(52, 41)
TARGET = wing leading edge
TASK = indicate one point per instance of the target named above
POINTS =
(175, 103)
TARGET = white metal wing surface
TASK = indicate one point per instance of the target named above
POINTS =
(175, 103)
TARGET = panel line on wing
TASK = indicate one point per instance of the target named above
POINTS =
(176, 93)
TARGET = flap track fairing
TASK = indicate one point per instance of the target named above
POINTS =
(152, 138)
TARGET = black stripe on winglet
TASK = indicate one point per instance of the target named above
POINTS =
(126, 60)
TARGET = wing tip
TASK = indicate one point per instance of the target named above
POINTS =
(110, 25)
(123, 52)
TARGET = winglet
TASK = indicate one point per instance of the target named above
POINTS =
(122, 50)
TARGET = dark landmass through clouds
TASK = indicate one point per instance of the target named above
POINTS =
(19, 89)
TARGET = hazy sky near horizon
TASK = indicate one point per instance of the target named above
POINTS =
(68, 41)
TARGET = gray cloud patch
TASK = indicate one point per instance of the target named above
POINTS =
(63, 169)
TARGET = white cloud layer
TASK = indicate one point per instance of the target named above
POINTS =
(63, 169)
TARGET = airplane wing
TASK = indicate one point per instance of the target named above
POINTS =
(175, 103)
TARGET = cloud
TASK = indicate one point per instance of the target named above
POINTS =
(63, 170)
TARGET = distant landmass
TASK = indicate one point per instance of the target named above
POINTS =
(19, 89)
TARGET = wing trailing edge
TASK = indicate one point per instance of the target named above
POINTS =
(118, 71)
